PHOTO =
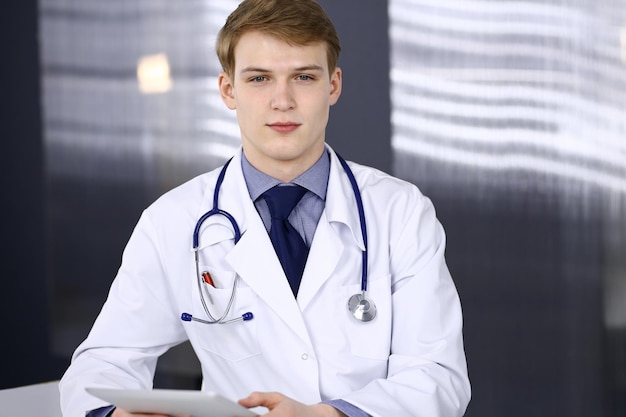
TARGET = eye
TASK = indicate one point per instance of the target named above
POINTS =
(304, 77)
(258, 79)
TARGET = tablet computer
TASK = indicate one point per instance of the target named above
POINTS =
(166, 401)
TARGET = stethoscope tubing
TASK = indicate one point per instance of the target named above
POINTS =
(359, 205)
(359, 305)
(216, 210)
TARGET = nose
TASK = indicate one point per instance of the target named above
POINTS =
(283, 98)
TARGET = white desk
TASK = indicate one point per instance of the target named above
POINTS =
(39, 400)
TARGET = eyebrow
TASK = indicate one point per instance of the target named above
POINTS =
(317, 68)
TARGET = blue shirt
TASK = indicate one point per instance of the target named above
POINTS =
(306, 214)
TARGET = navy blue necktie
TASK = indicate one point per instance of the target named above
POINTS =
(290, 248)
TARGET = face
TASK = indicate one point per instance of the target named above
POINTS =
(282, 95)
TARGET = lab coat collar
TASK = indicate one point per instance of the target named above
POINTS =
(340, 206)
(341, 203)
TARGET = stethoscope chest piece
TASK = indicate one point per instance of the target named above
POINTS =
(362, 307)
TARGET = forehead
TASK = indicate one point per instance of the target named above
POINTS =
(256, 49)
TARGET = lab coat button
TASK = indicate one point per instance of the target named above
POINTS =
(305, 356)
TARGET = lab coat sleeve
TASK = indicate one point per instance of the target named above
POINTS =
(136, 325)
(427, 371)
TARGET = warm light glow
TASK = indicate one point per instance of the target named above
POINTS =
(153, 74)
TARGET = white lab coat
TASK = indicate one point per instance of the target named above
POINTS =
(409, 361)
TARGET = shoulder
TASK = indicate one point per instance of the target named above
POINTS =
(393, 201)
(380, 185)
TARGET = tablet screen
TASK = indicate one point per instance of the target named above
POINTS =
(196, 403)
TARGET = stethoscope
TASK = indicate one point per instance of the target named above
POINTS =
(360, 305)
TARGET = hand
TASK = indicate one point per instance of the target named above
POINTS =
(282, 406)
(118, 412)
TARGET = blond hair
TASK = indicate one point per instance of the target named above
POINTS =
(297, 22)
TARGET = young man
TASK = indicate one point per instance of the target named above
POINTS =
(308, 350)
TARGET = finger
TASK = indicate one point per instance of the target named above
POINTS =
(262, 399)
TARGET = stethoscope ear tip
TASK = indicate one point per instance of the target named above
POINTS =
(244, 317)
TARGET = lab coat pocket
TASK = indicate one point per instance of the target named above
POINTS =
(232, 341)
(372, 339)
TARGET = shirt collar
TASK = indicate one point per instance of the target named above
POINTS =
(314, 179)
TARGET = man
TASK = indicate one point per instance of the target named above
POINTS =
(302, 353)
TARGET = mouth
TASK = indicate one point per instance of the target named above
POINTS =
(283, 127)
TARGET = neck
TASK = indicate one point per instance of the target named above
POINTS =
(284, 170)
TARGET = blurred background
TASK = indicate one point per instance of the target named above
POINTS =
(509, 115)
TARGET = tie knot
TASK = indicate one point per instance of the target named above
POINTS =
(282, 199)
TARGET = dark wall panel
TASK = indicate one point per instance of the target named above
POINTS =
(359, 126)
(24, 289)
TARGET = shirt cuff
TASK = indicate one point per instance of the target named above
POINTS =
(346, 408)
(101, 412)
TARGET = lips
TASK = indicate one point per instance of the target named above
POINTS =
(283, 127)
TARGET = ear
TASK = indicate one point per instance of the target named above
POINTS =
(227, 90)
(335, 85)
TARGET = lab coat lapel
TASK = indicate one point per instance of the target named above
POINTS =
(325, 252)
(253, 258)
(327, 246)
(256, 262)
